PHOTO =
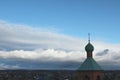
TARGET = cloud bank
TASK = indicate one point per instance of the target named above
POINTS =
(27, 47)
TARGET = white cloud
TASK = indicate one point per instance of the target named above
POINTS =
(20, 43)
(43, 55)
(24, 37)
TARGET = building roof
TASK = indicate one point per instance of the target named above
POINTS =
(89, 64)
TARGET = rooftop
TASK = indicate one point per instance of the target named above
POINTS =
(90, 64)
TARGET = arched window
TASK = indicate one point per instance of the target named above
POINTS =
(86, 77)
(98, 78)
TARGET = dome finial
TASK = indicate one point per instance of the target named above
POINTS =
(89, 47)
(89, 37)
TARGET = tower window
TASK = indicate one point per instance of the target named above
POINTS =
(86, 78)
(98, 78)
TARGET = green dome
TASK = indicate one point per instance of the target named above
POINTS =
(89, 47)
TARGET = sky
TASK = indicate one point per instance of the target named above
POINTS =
(37, 33)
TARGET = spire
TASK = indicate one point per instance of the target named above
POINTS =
(89, 37)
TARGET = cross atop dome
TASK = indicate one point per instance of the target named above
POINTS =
(89, 47)
(89, 37)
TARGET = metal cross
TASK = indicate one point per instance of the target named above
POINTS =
(89, 37)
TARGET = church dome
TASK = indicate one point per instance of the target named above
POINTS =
(89, 47)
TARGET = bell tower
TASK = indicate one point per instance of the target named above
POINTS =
(90, 69)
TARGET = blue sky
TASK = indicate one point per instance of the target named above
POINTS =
(72, 17)
(37, 33)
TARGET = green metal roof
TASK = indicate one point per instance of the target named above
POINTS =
(89, 47)
(90, 64)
